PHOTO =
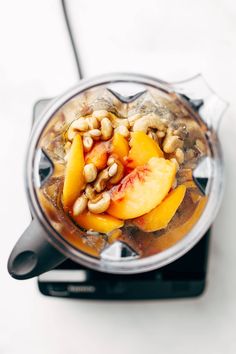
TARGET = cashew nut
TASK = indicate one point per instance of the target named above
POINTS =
(119, 173)
(101, 205)
(110, 160)
(95, 133)
(160, 134)
(171, 143)
(71, 133)
(80, 205)
(96, 198)
(88, 143)
(179, 154)
(123, 130)
(79, 124)
(113, 169)
(100, 114)
(116, 122)
(149, 121)
(153, 136)
(181, 131)
(90, 192)
(102, 178)
(90, 172)
(92, 123)
(106, 129)
(132, 119)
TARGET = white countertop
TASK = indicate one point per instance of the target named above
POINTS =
(173, 40)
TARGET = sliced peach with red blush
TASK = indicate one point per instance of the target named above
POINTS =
(142, 189)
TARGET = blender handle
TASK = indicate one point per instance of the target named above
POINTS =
(33, 254)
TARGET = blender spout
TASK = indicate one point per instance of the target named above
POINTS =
(203, 99)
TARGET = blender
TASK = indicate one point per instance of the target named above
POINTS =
(44, 247)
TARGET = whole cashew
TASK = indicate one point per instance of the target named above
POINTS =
(101, 205)
(87, 143)
(123, 130)
(102, 178)
(80, 204)
(116, 122)
(106, 129)
(132, 119)
(149, 121)
(90, 172)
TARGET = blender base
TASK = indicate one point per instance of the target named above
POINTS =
(183, 278)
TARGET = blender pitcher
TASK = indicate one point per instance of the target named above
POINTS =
(52, 237)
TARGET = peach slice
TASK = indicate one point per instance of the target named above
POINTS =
(159, 217)
(74, 178)
(119, 146)
(98, 222)
(172, 236)
(142, 189)
(142, 149)
(98, 155)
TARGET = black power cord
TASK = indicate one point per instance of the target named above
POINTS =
(76, 54)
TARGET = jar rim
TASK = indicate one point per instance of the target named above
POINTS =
(122, 266)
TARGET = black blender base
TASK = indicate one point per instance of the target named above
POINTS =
(183, 278)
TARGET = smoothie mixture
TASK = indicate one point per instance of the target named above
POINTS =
(123, 171)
